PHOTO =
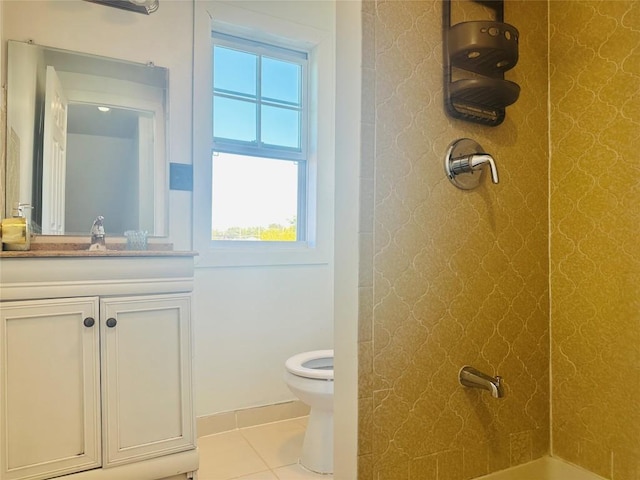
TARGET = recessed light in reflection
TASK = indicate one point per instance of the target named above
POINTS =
(104, 109)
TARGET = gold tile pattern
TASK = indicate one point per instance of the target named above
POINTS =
(458, 277)
(595, 234)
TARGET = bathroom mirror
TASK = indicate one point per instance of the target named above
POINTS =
(86, 136)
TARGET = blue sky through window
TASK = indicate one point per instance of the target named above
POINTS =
(280, 126)
(235, 71)
(234, 119)
(237, 76)
(281, 81)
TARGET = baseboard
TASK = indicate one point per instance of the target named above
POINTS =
(248, 417)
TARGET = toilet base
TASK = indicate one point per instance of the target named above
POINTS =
(317, 448)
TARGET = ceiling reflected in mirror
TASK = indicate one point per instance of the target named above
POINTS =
(101, 120)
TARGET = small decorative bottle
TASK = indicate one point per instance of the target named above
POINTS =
(16, 234)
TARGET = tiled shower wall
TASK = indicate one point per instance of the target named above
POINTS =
(450, 277)
(595, 234)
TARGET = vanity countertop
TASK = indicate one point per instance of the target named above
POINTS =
(103, 253)
(81, 249)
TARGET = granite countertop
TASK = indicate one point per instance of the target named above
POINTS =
(81, 249)
(87, 253)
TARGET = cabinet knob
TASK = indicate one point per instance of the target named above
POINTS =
(89, 322)
(111, 322)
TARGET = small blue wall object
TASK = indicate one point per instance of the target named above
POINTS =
(181, 176)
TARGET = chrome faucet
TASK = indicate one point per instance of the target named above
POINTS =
(473, 163)
(97, 234)
(465, 161)
(470, 377)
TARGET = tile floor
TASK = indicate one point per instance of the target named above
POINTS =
(263, 452)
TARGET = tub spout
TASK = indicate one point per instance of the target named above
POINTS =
(470, 377)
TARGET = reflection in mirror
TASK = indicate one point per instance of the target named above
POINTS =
(86, 137)
(111, 139)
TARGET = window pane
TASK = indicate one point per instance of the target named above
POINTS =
(234, 71)
(254, 198)
(281, 127)
(234, 119)
(281, 81)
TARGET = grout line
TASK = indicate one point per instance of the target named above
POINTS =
(268, 468)
(271, 469)
(255, 473)
(293, 419)
(238, 429)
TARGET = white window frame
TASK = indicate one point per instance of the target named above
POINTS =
(266, 151)
(233, 20)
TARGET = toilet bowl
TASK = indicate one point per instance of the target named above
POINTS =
(309, 376)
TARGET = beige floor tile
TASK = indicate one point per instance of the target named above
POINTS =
(227, 455)
(278, 443)
(268, 475)
(296, 472)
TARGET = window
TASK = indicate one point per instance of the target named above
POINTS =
(259, 155)
(303, 163)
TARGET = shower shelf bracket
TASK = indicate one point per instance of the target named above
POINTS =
(476, 55)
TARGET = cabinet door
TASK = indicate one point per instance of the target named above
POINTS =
(50, 374)
(146, 377)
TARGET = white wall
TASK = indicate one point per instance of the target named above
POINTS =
(347, 239)
(247, 320)
(251, 318)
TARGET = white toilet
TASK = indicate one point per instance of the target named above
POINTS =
(309, 376)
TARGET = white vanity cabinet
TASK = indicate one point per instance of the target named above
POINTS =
(97, 385)
(146, 377)
(50, 402)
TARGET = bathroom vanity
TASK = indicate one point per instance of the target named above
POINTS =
(95, 347)
(95, 365)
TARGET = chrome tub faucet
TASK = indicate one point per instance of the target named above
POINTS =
(470, 377)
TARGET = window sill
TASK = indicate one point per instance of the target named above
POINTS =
(260, 254)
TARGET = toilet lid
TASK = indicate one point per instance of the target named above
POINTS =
(317, 364)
